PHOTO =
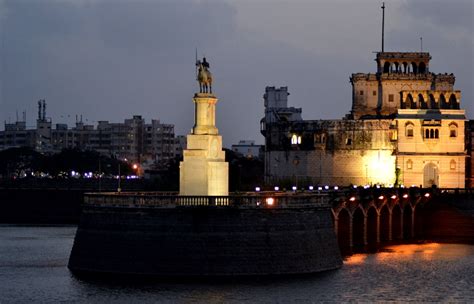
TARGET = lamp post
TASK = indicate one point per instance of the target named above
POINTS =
(119, 178)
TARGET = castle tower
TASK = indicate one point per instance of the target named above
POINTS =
(204, 170)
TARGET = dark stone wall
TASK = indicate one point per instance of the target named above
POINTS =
(205, 241)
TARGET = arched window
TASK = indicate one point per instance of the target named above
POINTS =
(436, 135)
(405, 67)
(422, 102)
(431, 133)
(452, 164)
(294, 139)
(386, 67)
(453, 130)
(410, 103)
(409, 129)
(433, 104)
(422, 68)
(427, 133)
(409, 164)
(414, 67)
(442, 102)
(453, 104)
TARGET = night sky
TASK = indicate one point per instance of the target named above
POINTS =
(109, 60)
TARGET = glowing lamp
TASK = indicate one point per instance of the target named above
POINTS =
(352, 198)
(257, 189)
(355, 186)
(405, 195)
(135, 167)
(427, 195)
(393, 197)
(326, 187)
(336, 188)
(311, 188)
(270, 201)
(294, 188)
(276, 188)
(381, 197)
(320, 188)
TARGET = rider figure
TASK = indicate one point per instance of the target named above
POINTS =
(205, 63)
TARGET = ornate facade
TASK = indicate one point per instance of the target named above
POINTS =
(406, 126)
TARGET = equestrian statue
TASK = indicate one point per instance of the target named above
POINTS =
(204, 76)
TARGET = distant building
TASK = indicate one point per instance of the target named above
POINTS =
(180, 145)
(470, 151)
(248, 148)
(406, 126)
(133, 140)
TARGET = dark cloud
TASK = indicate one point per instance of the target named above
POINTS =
(112, 59)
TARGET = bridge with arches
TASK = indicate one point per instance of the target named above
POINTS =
(364, 217)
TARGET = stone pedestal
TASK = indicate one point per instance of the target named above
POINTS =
(203, 170)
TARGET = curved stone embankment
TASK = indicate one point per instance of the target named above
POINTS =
(205, 241)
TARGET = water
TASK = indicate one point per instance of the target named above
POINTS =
(33, 269)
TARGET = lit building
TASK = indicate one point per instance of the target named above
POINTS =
(405, 127)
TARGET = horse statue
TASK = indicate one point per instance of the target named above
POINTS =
(204, 77)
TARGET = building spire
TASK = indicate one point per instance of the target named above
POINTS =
(383, 24)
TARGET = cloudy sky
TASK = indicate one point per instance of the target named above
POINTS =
(109, 60)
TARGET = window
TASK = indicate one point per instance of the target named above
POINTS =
(349, 141)
(391, 98)
(452, 165)
(361, 93)
(409, 130)
(453, 130)
(374, 93)
(431, 133)
(295, 139)
(409, 164)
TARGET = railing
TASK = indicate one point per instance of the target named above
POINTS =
(167, 200)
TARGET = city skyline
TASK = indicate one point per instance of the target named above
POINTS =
(108, 61)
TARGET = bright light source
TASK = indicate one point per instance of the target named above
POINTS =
(326, 187)
(311, 188)
(366, 187)
(405, 195)
(135, 166)
(427, 195)
(355, 186)
(413, 186)
(390, 185)
(320, 188)
(352, 198)
(294, 188)
(336, 188)
(258, 203)
(276, 188)
(73, 172)
(381, 197)
(257, 189)
(378, 186)
(270, 201)
(402, 186)
(393, 197)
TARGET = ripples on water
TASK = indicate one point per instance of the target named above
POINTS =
(33, 269)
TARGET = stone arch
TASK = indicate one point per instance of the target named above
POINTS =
(409, 102)
(442, 102)
(436, 133)
(384, 223)
(422, 68)
(432, 133)
(414, 68)
(433, 103)
(419, 213)
(430, 175)
(396, 222)
(405, 67)
(372, 225)
(407, 222)
(343, 229)
(422, 102)
(427, 133)
(386, 67)
(453, 103)
(358, 219)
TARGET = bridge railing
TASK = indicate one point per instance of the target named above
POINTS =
(164, 200)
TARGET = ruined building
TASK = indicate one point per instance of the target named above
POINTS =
(406, 127)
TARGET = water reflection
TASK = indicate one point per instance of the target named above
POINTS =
(33, 269)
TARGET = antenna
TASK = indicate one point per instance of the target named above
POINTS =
(16, 115)
(383, 24)
(421, 44)
(39, 109)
